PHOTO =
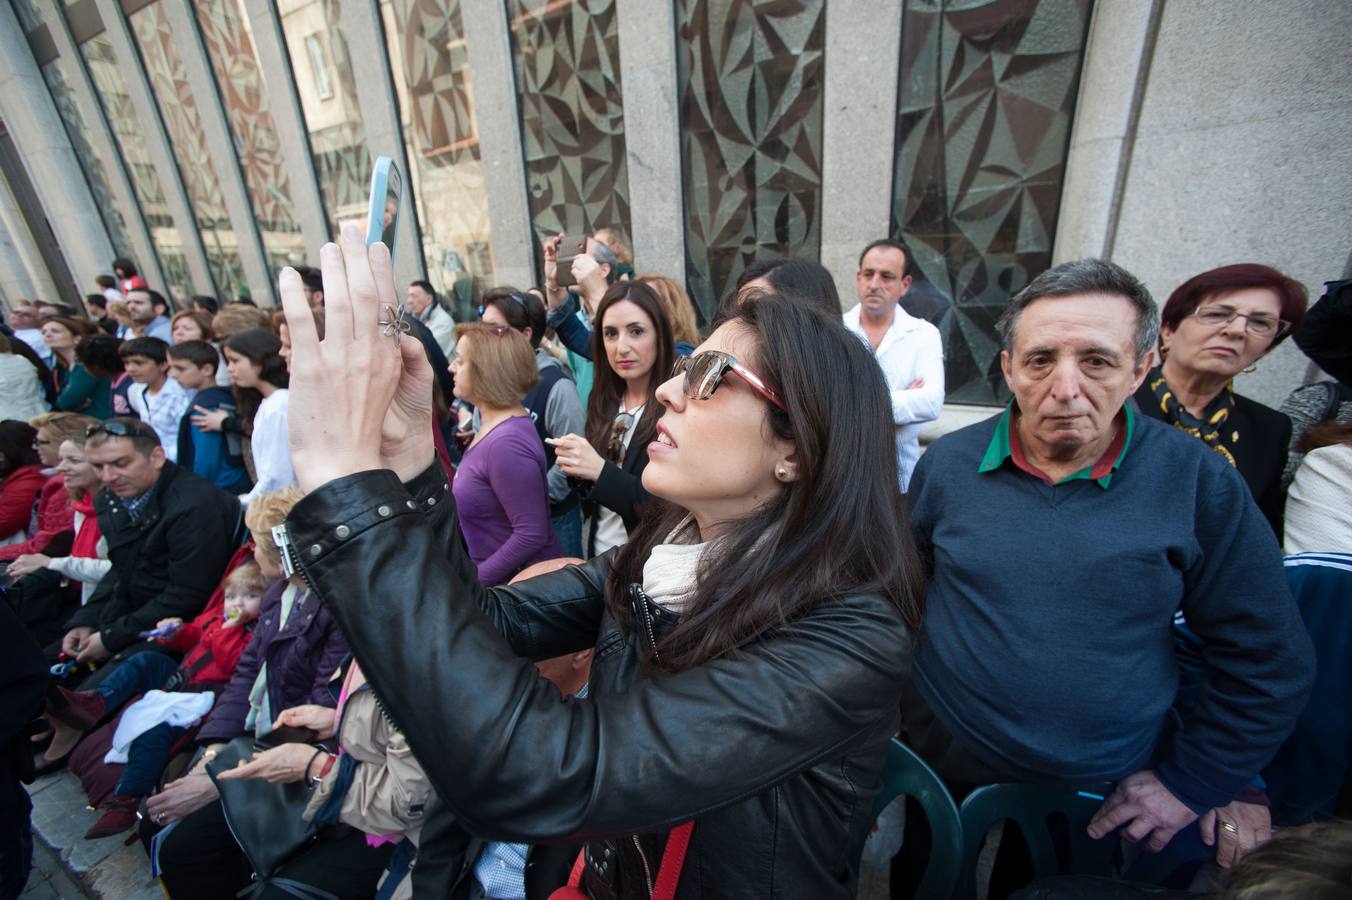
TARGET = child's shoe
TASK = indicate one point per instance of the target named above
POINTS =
(119, 815)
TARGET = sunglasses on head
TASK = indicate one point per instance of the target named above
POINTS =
(704, 372)
(516, 297)
(121, 429)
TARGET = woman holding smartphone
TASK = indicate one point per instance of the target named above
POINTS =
(750, 640)
(632, 348)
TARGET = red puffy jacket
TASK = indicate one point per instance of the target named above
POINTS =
(212, 651)
(54, 517)
(18, 493)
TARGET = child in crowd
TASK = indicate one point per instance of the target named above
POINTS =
(176, 697)
(217, 456)
(156, 398)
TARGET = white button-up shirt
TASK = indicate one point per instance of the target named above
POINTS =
(910, 349)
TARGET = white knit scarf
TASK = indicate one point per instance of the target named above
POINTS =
(672, 568)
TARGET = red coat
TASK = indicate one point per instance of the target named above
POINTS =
(18, 493)
(54, 517)
(214, 650)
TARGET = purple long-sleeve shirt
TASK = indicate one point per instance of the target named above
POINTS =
(503, 500)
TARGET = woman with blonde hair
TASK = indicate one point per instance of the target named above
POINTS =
(501, 486)
(680, 311)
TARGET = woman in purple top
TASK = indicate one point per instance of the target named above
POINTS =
(500, 488)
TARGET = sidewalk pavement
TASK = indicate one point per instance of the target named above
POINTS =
(68, 867)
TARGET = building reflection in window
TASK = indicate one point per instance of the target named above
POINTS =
(322, 72)
(430, 65)
(127, 132)
(225, 32)
(58, 85)
(566, 57)
(178, 110)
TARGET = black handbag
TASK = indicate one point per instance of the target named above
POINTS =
(265, 820)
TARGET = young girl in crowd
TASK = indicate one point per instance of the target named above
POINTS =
(500, 486)
(632, 347)
(259, 375)
(176, 695)
(749, 637)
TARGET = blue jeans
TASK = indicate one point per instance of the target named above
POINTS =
(138, 673)
(568, 529)
(148, 754)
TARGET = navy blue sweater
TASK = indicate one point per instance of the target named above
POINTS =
(1047, 647)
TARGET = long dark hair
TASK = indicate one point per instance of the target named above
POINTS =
(607, 386)
(840, 529)
(16, 446)
(264, 350)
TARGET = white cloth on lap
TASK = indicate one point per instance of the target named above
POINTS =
(178, 709)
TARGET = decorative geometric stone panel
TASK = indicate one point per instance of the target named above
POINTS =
(566, 56)
(225, 32)
(106, 74)
(986, 97)
(432, 77)
(178, 109)
(750, 76)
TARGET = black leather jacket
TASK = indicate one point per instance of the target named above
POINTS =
(774, 751)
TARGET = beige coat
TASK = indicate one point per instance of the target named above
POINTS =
(389, 791)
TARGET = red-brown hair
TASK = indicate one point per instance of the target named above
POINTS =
(1291, 294)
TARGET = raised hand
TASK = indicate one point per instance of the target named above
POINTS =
(356, 396)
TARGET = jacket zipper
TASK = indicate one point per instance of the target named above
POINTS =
(647, 872)
(641, 601)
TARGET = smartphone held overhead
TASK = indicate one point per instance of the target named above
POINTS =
(570, 248)
(382, 213)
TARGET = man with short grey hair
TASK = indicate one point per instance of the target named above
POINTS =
(1061, 537)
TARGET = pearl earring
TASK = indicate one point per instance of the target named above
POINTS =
(782, 472)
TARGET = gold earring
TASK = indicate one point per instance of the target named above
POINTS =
(1251, 369)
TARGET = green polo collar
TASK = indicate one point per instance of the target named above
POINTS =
(1003, 448)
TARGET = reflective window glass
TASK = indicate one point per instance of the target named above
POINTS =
(127, 131)
(566, 56)
(178, 109)
(432, 77)
(750, 77)
(229, 43)
(983, 124)
(322, 72)
(58, 84)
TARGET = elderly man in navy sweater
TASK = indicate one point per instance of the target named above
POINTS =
(1063, 536)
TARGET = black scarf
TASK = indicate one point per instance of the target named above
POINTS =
(1208, 428)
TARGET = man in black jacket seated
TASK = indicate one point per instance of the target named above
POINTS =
(169, 533)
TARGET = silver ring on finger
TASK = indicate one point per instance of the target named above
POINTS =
(1230, 829)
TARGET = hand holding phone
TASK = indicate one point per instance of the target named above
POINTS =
(570, 248)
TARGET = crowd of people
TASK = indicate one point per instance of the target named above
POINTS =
(351, 599)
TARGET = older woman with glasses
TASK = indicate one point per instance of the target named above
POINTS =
(500, 486)
(1216, 325)
(632, 348)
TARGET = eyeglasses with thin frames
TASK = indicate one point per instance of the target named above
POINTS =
(1256, 324)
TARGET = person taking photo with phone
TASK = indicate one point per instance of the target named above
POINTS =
(750, 639)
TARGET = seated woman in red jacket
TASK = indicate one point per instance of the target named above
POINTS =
(54, 517)
(21, 479)
(150, 727)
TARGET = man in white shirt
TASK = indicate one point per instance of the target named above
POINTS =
(908, 349)
(422, 302)
(24, 320)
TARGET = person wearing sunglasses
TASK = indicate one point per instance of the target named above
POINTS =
(632, 349)
(750, 638)
(1215, 326)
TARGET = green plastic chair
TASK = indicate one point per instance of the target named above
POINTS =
(905, 773)
(1029, 807)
